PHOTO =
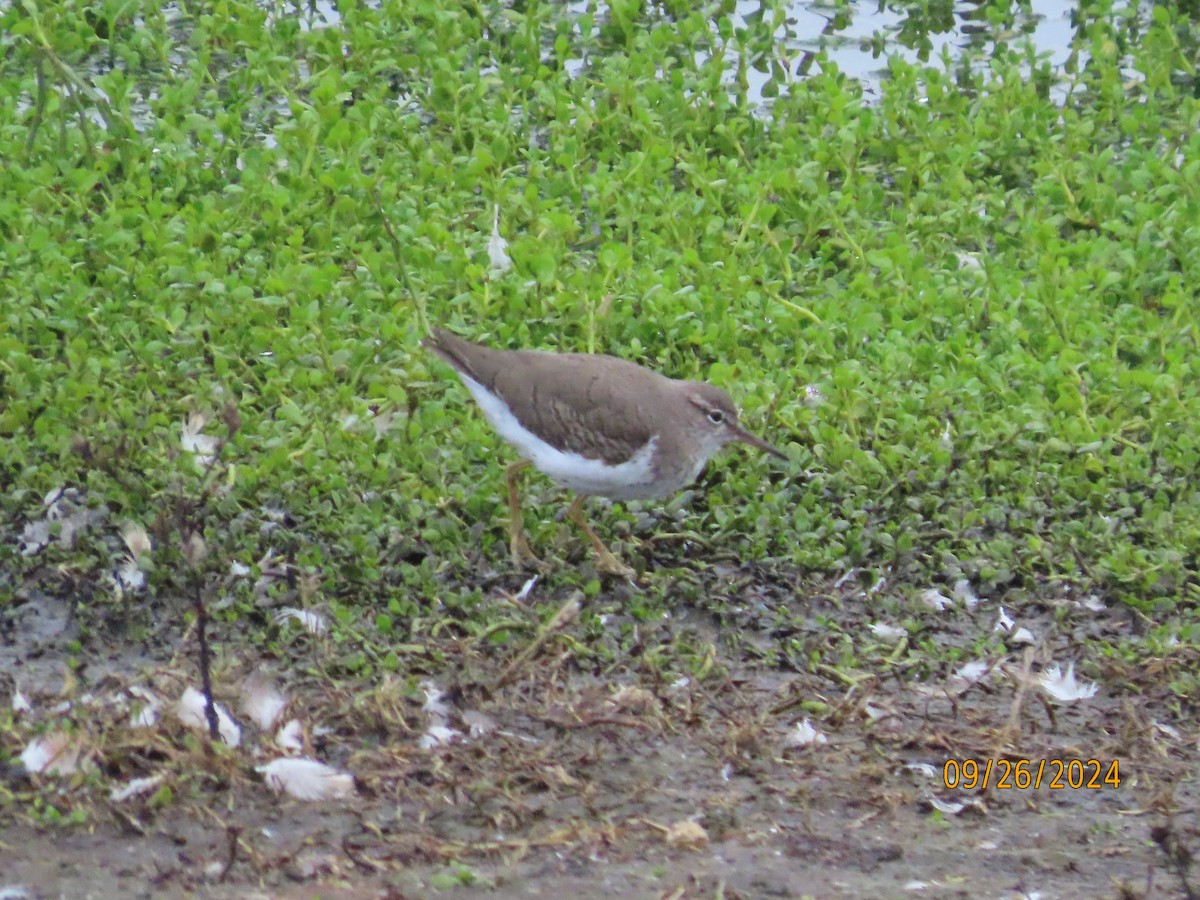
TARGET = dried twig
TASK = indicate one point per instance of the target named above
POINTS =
(565, 615)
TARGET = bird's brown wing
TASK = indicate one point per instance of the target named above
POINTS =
(592, 405)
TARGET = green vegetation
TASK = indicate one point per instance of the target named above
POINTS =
(992, 285)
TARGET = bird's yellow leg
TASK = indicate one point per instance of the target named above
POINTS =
(607, 563)
(517, 545)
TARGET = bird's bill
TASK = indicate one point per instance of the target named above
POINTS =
(741, 434)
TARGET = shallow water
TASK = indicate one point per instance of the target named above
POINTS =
(860, 41)
(860, 38)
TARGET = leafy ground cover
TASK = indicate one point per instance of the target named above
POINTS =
(966, 308)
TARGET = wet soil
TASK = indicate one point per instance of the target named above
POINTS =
(596, 780)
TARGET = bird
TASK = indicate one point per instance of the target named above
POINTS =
(597, 425)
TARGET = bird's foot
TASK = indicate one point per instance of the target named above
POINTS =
(523, 557)
(608, 564)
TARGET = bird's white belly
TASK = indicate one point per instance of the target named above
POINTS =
(630, 480)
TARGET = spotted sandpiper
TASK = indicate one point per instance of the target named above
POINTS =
(596, 425)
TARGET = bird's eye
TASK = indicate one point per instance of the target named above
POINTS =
(716, 417)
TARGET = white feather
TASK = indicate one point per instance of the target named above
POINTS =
(290, 737)
(56, 753)
(307, 779)
(314, 622)
(262, 701)
(135, 788)
(190, 711)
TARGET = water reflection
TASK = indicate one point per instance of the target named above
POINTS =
(860, 38)
(1051, 40)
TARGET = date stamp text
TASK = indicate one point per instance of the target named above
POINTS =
(1026, 774)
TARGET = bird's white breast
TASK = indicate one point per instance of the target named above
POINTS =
(631, 480)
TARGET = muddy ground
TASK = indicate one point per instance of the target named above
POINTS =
(592, 778)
